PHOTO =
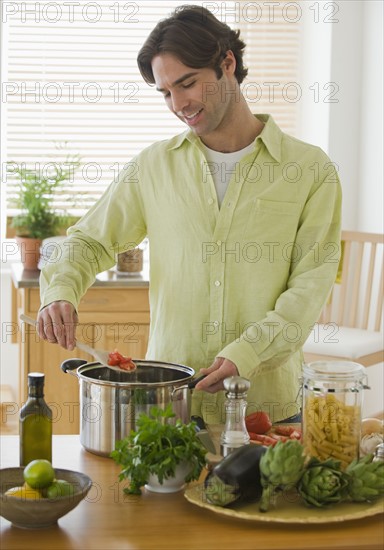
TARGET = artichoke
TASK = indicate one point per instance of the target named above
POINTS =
(323, 483)
(366, 479)
(281, 467)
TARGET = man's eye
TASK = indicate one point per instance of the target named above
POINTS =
(189, 85)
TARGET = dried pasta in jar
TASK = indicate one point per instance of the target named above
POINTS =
(331, 428)
(332, 400)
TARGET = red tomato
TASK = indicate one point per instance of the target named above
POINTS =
(283, 429)
(116, 359)
(128, 364)
(263, 439)
(278, 437)
(258, 422)
(296, 434)
(289, 431)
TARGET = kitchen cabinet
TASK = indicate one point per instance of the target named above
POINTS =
(114, 313)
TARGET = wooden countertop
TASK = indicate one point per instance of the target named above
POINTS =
(109, 519)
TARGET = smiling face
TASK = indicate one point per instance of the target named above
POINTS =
(206, 104)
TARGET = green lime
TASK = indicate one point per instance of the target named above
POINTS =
(59, 488)
(39, 473)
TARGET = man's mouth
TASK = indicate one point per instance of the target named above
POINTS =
(192, 118)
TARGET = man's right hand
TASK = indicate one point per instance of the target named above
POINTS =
(57, 323)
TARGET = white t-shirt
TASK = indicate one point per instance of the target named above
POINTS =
(222, 166)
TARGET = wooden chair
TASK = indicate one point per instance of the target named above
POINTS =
(351, 323)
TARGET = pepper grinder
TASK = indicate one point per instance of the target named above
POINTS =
(235, 433)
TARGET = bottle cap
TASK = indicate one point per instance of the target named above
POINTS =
(36, 379)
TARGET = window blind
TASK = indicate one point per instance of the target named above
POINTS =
(272, 32)
(69, 74)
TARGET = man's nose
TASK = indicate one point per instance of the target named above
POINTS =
(179, 102)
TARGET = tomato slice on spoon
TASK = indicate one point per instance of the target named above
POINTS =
(116, 359)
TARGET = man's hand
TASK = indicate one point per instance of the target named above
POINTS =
(57, 322)
(219, 370)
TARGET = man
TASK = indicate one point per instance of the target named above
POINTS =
(243, 223)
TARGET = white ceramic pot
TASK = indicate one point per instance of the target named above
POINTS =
(170, 484)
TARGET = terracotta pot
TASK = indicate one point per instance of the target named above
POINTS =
(29, 252)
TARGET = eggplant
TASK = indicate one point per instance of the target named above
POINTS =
(236, 478)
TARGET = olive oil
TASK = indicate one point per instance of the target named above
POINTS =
(35, 423)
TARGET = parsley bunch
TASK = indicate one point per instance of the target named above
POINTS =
(157, 446)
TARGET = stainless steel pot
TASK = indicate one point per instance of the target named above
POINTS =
(111, 400)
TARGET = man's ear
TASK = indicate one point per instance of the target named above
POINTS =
(229, 62)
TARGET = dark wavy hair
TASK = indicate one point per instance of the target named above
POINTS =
(196, 38)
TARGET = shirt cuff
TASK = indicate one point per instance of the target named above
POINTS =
(66, 295)
(242, 354)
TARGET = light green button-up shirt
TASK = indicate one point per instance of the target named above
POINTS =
(245, 282)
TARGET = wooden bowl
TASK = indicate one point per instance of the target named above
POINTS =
(44, 512)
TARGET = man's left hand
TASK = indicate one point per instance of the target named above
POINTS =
(215, 375)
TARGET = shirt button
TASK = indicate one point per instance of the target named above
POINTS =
(216, 323)
(217, 283)
(210, 201)
(218, 242)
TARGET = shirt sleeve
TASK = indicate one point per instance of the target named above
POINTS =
(108, 228)
(270, 342)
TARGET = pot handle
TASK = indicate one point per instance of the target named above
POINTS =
(195, 381)
(72, 364)
(189, 386)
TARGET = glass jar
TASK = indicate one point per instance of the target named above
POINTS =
(332, 409)
(130, 261)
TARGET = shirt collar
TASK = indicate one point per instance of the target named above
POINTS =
(271, 136)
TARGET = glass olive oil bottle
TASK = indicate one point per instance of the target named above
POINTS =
(35, 423)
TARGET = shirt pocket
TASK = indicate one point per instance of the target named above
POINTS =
(272, 226)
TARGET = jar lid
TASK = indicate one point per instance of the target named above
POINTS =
(334, 370)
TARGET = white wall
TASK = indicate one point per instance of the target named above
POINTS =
(356, 121)
(347, 54)
(370, 173)
(315, 64)
(345, 115)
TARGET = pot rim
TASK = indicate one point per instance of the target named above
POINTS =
(189, 371)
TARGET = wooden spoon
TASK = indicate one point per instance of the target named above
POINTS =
(101, 356)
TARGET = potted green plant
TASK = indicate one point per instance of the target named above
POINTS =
(37, 191)
(152, 455)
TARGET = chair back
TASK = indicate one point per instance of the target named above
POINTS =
(356, 299)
